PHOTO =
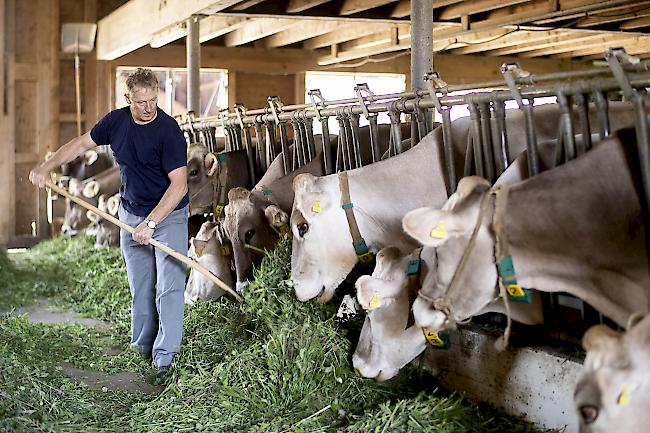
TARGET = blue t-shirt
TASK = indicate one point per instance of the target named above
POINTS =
(145, 155)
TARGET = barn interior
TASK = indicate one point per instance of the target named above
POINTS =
(222, 60)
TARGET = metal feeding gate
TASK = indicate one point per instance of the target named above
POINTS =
(487, 148)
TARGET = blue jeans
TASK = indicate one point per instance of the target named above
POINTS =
(157, 283)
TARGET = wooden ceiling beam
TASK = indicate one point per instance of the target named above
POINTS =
(302, 31)
(474, 7)
(350, 32)
(214, 26)
(588, 42)
(350, 7)
(630, 43)
(510, 40)
(379, 38)
(636, 23)
(123, 30)
(296, 6)
(621, 13)
(257, 29)
(558, 40)
(365, 47)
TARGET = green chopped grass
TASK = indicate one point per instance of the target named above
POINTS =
(271, 364)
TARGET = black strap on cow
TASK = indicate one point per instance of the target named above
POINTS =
(361, 249)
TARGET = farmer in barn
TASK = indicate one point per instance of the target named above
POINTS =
(150, 149)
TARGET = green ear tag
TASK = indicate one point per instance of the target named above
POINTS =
(221, 157)
(438, 340)
(413, 267)
(266, 192)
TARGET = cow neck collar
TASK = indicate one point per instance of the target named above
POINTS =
(445, 303)
(360, 247)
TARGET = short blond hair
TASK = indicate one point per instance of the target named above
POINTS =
(141, 77)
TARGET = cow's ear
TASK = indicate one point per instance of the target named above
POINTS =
(600, 338)
(305, 182)
(198, 246)
(74, 187)
(433, 227)
(276, 216)
(92, 216)
(90, 156)
(238, 193)
(113, 204)
(365, 291)
(210, 163)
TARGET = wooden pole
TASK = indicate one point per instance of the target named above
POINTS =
(191, 263)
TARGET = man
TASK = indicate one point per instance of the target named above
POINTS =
(150, 150)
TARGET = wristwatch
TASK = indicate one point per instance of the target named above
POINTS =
(151, 224)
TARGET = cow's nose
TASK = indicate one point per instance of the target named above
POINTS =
(241, 285)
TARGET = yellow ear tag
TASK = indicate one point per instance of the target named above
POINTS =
(199, 251)
(225, 250)
(623, 398)
(439, 231)
(316, 206)
(515, 290)
(374, 302)
(432, 337)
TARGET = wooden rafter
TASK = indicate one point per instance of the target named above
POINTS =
(559, 40)
(303, 30)
(513, 40)
(630, 44)
(295, 6)
(474, 7)
(637, 23)
(257, 29)
(595, 41)
(350, 7)
(124, 30)
(348, 33)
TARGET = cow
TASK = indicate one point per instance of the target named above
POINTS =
(206, 170)
(254, 219)
(382, 193)
(578, 228)
(87, 165)
(387, 341)
(107, 182)
(613, 391)
(323, 253)
(209, 249)
(74, 218)
(107, 234)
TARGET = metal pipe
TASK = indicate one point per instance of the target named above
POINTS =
(642, 137)
(531, 140)
(602, 108)
(250, 154)
(284, 143)
(447, 140)
(421, 50)
(567, 125)
(408, 106)
(395, 130)
(486, 141)
(356, 139)
(271, 142)
(327, 149)
(259, 155)
(583, 113)
(642, 66)
(501, 138)
(374, 138)
(193, 48)
(476, 139)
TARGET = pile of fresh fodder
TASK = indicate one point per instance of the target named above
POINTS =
(271, 364)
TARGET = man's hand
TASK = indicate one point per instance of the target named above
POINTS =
(142, 234)
(39, 176)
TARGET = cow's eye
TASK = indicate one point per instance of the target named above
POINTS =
(249, 235)
(303, 228)
(589, 413)
(194, 172)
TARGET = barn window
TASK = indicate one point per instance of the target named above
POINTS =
(172, 97)
(340, 85)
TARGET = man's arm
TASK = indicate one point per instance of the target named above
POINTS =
(66, 153)
(174, 194)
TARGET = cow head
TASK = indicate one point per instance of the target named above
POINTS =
(201, 171)
(613, 392)
(108, 234)
(74, 218)
(322, 254)
(449, 230)
(251, 224)
(386, 344)
(206, 248)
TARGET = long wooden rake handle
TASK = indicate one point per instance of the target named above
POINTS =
(189, 262)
